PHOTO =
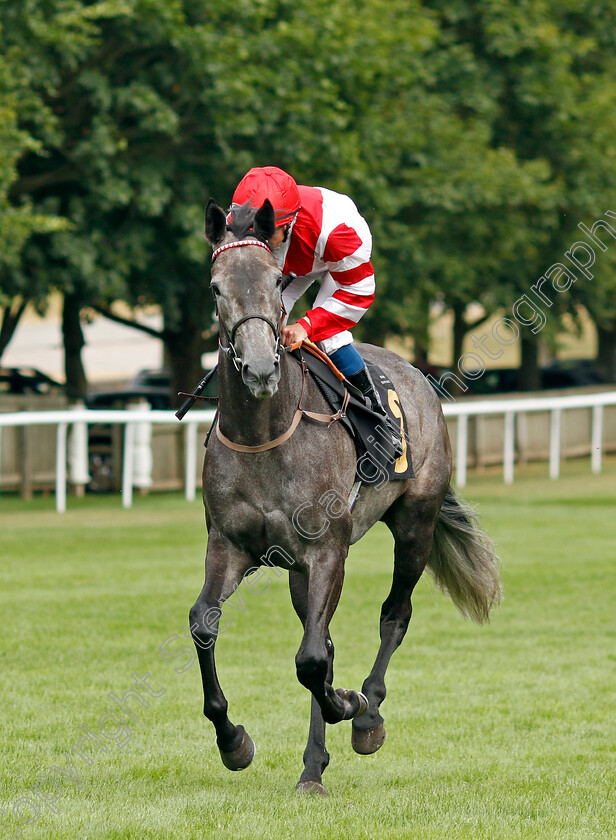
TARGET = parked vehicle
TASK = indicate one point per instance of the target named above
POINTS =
(567, 373)
(26, 381)
(571, 373)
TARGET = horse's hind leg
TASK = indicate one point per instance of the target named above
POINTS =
(225, 568)
(316, 757)
(413, 530)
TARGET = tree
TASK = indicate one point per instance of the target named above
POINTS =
(115, 115)
(152, 106)
(548, 68)
(18, 222)
(469, 135)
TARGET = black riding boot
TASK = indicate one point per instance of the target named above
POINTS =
(363, 382)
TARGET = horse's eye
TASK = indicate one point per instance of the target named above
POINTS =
(279, 281)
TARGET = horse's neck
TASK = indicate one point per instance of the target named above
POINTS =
(250, 421)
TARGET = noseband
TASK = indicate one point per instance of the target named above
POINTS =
(229, 349)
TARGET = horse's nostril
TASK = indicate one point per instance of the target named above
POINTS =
(262, 382)
(250, 374)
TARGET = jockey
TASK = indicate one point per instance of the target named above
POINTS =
(320, 235)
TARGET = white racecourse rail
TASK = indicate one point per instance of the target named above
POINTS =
(129, 419)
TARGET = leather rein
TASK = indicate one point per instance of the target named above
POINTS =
(232, 354)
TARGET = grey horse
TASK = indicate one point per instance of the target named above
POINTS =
(265, 462)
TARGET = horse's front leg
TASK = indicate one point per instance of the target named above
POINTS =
(225, 568)
(316, 757)
(313, 660)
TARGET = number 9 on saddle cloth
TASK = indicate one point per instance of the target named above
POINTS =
(376, 455)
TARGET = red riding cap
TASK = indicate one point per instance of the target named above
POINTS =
(270, 182)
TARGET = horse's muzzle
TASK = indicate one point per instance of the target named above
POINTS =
(262, 381)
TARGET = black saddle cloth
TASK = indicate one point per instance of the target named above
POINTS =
(376, 462)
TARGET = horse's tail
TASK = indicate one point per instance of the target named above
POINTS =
(463, 560)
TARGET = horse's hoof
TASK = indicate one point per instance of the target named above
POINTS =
(368, 741)
(311, 788)
(240, 758)
(349, 695)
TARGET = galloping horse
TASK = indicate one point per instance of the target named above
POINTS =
(264, 457)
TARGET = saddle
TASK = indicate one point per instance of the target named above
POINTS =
(376, 461)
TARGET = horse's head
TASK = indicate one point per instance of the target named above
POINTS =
(246, 287)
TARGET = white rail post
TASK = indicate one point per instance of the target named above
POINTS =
(127, 465)
(78, 454)
(555, 429)
(61, 435)
(597, 438)
(461, 449)
(190, 479)
(142, 452)
(509, 447)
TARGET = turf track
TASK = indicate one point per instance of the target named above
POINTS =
(501, 732)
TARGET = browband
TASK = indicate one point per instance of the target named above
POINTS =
(238, 244)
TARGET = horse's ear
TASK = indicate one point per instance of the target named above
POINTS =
(264, 225)
(215, 222)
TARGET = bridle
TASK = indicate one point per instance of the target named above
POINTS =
(229, 348)
(231, 352)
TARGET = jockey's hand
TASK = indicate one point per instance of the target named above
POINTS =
(292, 333)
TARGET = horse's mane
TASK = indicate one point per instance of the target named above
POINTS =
(242, 220)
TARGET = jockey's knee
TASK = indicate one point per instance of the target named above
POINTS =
(347, 359)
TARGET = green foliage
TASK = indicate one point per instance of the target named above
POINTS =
(17, 221)
(474, 136)
(517, 148)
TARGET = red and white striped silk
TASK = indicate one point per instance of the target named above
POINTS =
(330, 237)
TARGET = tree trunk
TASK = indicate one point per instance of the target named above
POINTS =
(185, 341)
(460, 328)
(421, 333)
(183, 354)
(421, 352)
(10, 319)
(529, 374)
(606, 352)
(76, 383)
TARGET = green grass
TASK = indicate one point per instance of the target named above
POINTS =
(500, 732)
